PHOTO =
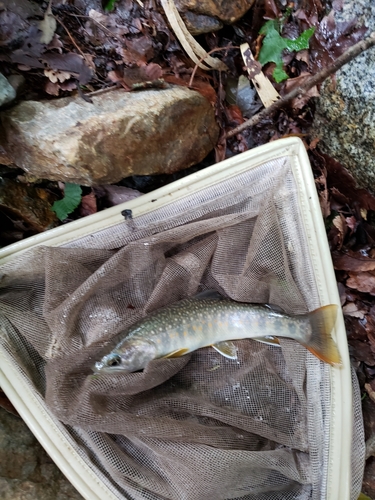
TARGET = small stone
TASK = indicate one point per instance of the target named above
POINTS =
(119, 135)
(7, 92)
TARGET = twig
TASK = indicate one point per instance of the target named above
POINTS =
(347, 56)
(71, 38)
(103, 91)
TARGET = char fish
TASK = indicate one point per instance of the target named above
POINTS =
(194, 323)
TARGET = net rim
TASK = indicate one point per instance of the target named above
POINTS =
(338, 479)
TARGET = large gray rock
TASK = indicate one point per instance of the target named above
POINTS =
(119, 135)
(345, 115)
(26, 471)
(7, 92)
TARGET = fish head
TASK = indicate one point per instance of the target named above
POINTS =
(131, 357)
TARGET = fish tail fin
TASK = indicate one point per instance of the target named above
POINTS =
(321, 343)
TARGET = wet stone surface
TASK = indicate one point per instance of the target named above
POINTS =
(26, 471)
(345, 114)
(118, 135)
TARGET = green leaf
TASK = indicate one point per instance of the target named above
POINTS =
(273, 45)
(300, 43)
(110, 5)
(272, 25)
(72, 198)
(279, 74)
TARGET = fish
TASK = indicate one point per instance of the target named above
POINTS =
(194, 323)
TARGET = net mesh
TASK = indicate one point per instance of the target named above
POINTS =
(200, 426)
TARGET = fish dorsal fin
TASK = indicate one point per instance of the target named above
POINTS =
(275, 308)
(226, 348)
(177, 353)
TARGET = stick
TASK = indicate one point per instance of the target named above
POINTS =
(347, 56)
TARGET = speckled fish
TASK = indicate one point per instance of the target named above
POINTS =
(201, 322)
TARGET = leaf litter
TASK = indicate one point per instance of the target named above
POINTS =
(67, 49)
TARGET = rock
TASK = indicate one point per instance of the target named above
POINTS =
(17, 82)
(120, 134)
(7, 92)
(26, 471)
(345, 116)
(224, 10)
(198, 24)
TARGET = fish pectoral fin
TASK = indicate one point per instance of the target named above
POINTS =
(226, 348)
(177, 353)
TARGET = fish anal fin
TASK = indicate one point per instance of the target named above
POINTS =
(321, 343)
(226, 348)
(177, 353)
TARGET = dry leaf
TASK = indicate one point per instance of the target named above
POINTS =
(364, 282)
(300, 101)
(88, 205)
(340, 223)
(52, 88)
(370, 392)
(55, 76)
(346, 262)
(352, 223)
(47, 26)
(351, 309)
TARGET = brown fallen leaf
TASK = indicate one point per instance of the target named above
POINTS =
(362, 352)
(88, 205)
(355, 329)
(351, 309)
(57, 76)
(303, 99)
(347, 262)
(364, 282)
(340, 223)
(52, 88)
(370, 392)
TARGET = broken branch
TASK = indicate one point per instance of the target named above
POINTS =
(347, 56)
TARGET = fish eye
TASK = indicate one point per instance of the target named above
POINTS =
(114, 361)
